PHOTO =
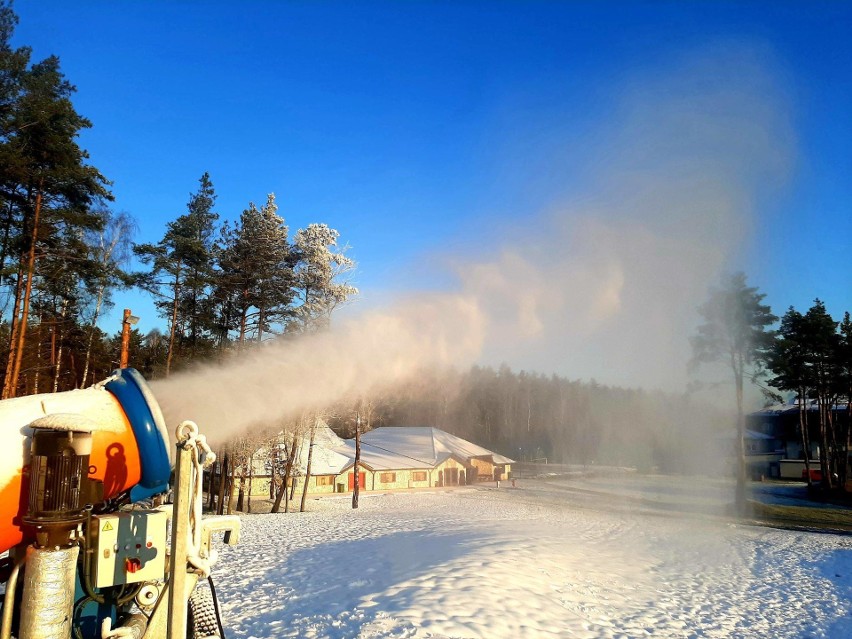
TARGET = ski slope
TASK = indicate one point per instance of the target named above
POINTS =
(528, 562)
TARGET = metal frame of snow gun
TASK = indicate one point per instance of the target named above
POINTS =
(89, 555)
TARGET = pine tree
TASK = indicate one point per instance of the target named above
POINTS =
(822, 344)
(181, 271)
(45, 181)
(255, 279)
(735, 333)
(788, 361)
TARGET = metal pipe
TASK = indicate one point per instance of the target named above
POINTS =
(49, 593)
(9, 599)
(180, 532)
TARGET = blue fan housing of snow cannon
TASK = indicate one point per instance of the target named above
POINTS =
(131, 391)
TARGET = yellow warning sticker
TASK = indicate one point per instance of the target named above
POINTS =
(107, 526)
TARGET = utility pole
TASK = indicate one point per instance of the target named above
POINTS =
(127, 321)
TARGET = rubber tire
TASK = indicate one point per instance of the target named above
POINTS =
(201, 621)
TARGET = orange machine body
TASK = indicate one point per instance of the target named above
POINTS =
(115, 458)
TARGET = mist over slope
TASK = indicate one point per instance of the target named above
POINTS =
(602, 284)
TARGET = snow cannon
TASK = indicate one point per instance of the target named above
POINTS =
(82, 514)
(115, 434)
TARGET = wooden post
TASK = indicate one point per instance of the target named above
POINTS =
(180, 531)
(125, 339)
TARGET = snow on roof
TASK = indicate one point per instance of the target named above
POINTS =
(753, 434)
(328, 457)
(463, 448)
(382, 459)
(793, 407)
(389, 448)
(425, 444)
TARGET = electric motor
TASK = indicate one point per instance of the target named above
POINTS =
(58, 470)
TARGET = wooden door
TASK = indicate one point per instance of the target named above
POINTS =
(362, 481)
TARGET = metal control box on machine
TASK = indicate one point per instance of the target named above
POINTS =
(128, 547)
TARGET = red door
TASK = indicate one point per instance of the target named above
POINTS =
(362, 481)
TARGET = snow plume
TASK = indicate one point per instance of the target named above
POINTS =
(604, 283)
(278, 380)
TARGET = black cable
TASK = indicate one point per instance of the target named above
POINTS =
(76, 612)
(216, 606)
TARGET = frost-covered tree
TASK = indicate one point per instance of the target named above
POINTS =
(255, 278)
(321, 276)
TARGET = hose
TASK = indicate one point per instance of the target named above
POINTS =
(86, 579)
(9, 599)
(216, 607)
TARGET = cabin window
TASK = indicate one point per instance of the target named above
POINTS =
(325, 480)
(419, 475)
(387, 478)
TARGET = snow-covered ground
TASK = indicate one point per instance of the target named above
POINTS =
(536, 561)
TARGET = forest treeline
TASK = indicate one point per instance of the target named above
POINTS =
(525, 416)
(535, 417)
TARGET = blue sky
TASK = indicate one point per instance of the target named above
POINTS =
(423, 128)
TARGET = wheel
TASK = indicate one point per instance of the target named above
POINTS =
(202, 616)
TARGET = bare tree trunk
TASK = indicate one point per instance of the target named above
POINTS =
(92, 328)
(280, 490)
(38, 356)
(72, 366)
(242, 337)
(848, 440)
(58, 366)
(740, 494)
(834, 460)
(308, 468)
(231, 489)
(13, 337)
(288, 474)
(278, 483)
(22, 333)
(293, 485)
(223, 474)
(823, 441)
(211, 501)
(806, 442)
(250, 480)
(242, 491)
(356, 483)
(173, 328)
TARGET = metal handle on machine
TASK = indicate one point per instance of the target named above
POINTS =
(186, 522)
